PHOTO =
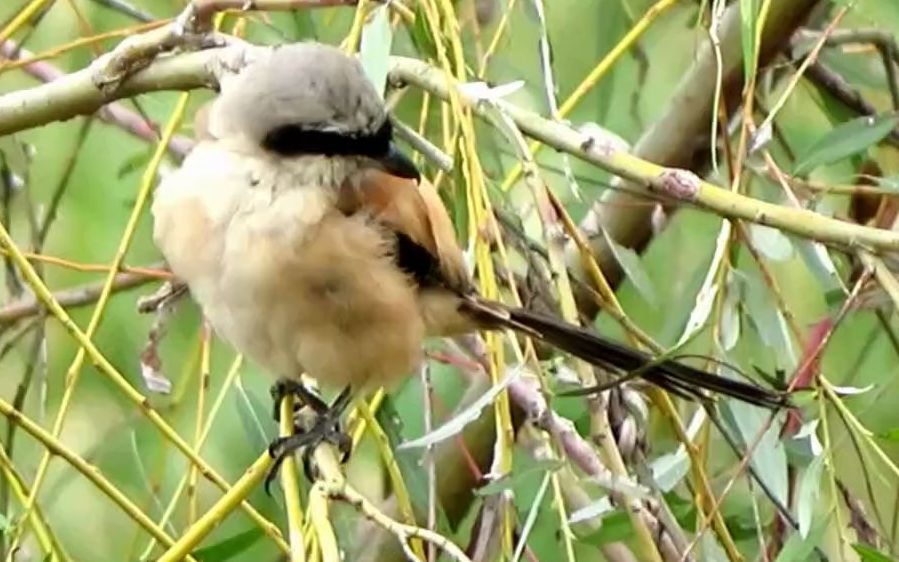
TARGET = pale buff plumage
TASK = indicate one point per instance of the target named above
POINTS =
(281, 274)
(290, 257)
(283, 254)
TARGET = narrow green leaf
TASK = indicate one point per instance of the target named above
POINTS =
(890, 434)
(804, 448)
(507, 481)
(799, 549)
(820, 264)
(374, 50)
(593, 510)
(749, 17)
(711, 550)
(229, 548)
(252, 413)
(633, 269)
(768, 320)
(868, 554)
(809, 490)
(303, 24)
(730, 325)
(669, 469)
(705, 296)
(834, 299)
(462, 418)
(769, 459)
(421, 35)
(616, 526)
(684, 511)
(412, 471)
(845, 140)
(410, 463)
(742, 527)
(771, 242)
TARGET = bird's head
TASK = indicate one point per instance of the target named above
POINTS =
(309, 100)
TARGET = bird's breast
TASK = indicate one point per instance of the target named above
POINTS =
(225, 221)
(283, 276)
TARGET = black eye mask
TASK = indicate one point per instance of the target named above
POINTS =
(296, 140)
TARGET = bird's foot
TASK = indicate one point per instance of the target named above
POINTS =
(325, 428)
(293, 387)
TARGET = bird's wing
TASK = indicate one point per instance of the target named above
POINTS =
(427, 249)
(426, 243)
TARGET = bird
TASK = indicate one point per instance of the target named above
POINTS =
(313, 244)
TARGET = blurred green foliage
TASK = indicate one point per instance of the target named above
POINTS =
(105, 429)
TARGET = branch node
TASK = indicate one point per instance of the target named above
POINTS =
(682, 185)
(188, 32)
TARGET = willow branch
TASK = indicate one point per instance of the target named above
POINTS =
(77, 94)
(216, 514)
(205, 9)
(114, 113)
(74, 297)
(681, 136)
(90, 472)
(658, 182)
(339, 488)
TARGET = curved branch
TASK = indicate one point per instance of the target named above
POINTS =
(77, 94)
(680, 137)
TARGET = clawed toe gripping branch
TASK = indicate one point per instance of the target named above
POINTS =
(325, 427)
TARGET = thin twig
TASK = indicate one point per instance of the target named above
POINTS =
(107, 369)
(127, 9)
(42, 531)
(427, 390)
(72, 298)
(436, 156)
(884, 42)
(291, 486)
(76, 94)
(74, 371)
(205, 9)
(92, 473)
(182, 484)
(824, 77)
(341, 490)
(228, 502)
(13, 339)
(159, 272)
(659, 181)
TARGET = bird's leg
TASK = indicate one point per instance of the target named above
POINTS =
(335, 435)
(324, 429)
(285, 387)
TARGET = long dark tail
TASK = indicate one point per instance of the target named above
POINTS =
(674, 377)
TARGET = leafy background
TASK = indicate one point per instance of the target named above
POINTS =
(109, 163)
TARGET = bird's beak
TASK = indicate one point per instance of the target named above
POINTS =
(398, 164)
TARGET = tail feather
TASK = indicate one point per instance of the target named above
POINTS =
(672, 376)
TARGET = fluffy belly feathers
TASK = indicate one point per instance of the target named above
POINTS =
(286, 280)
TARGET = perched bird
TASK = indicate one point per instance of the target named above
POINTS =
(312, 244)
